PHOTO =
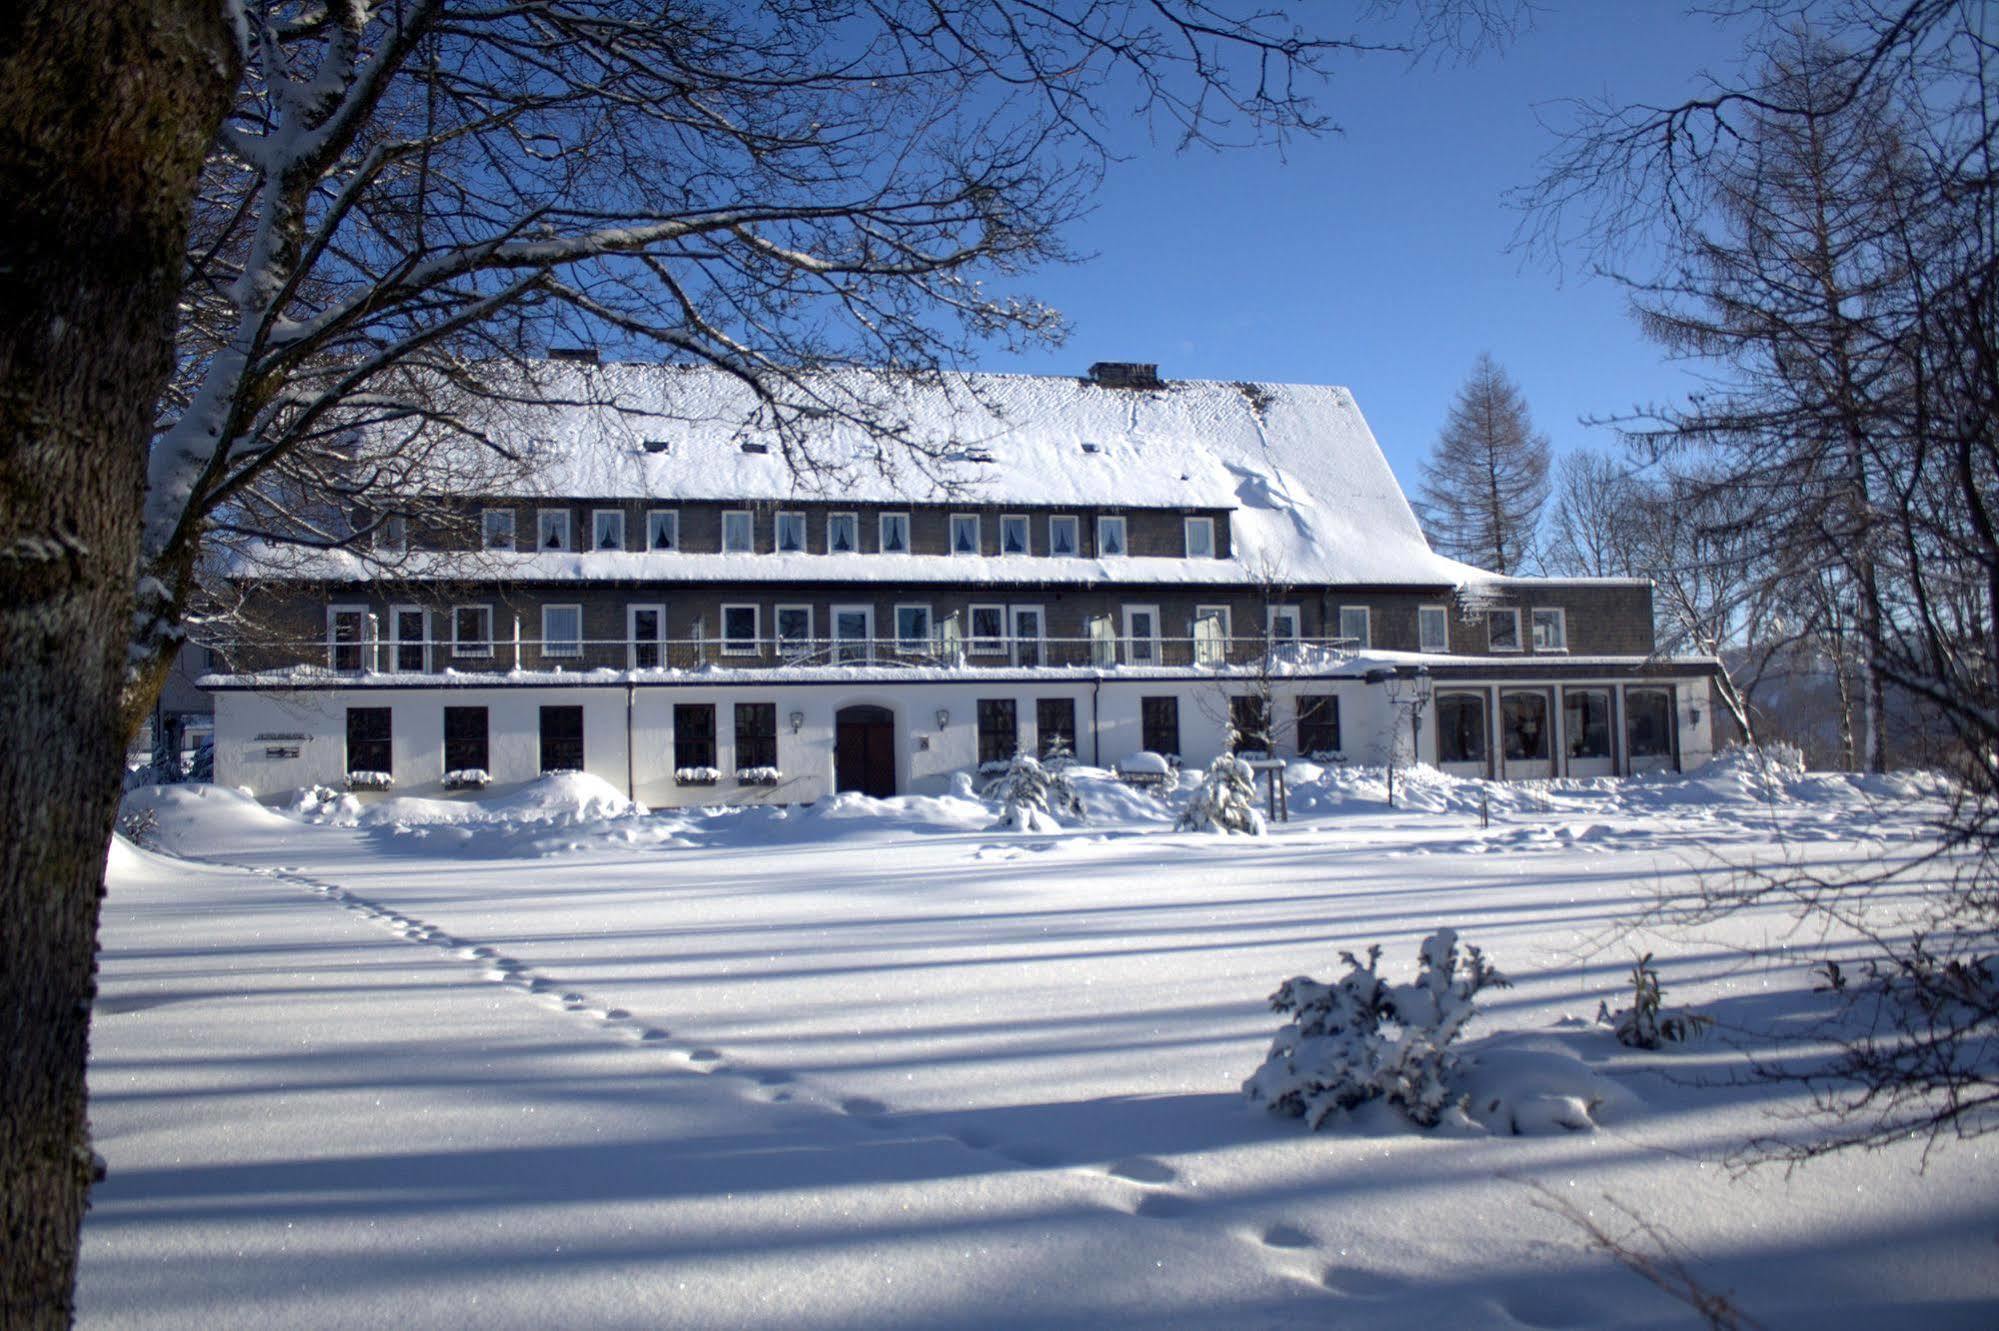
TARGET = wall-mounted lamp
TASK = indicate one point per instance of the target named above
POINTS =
(943, 717)
(1693, 716)
(797, 722)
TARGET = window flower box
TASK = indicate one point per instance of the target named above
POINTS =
(696, 776)
(468, 778)
(758, 776)
(370, 781)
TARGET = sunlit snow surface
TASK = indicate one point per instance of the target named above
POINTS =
(553, 1060)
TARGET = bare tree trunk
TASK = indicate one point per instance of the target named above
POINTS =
(105, 111)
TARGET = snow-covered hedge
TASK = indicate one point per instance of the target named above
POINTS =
(1363, 1038)
(758, 776)
(370, 781)
(1030, 794)
(696, 776)
(467, 778)
(1226, 801)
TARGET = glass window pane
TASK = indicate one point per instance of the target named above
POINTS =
(790, 532)
(497, 528)
(1013, 536)
(895, 533)
(1433, 628)
(1503, 628)
(964, 535)
(1460, 728)
(1523, 726)
(1586, 722)
(1110, 536)
(1062, 536)
(842, 533)
(663, 531)
(1649, 723)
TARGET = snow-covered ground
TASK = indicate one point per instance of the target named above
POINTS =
(561, 1062)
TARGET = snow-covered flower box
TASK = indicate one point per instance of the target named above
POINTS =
(467, 778)
(1326, 756)
(370, 781)
(1145, 768)
(995, 766)
(758, 776)
(696, 776)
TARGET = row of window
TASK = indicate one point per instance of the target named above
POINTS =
(1062, 534)
(992, 629)
(1525, 735)
(467, 747)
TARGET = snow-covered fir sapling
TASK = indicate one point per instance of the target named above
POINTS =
(1648, 1023)
(1030, 795)
(1363, 1039)
(1225, 801)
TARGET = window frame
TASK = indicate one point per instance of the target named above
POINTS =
(1190, 525)
(1514, 613)
(853, 519)
(683, 712)
(1075, 524)
(672, 516)
(1573, 732)
(597, 516)
(1312, 723)
(1561, 616)
(749, 532)
(485, 763)
(542, 737)
(978, 536)
(1118, 521)
(1042, 706)
(1271, 616)
(633, 609)
(1026, 524)
(1149, 726)
(1443, 615)
(759, 757)
(548, 638)
(1152, 656)
(882, 521)
(795, 517)
(866, 610)
(777, 613)
(1366, 635)
(912, 646)
(732, 645)
(361, 642)
(396, 639)
(470, 647)
(387, 740)
(1201, 612)
(990, 645)
(985, 736)
(566, 524)
(486, 523)
(1014, 637)
(392, 534)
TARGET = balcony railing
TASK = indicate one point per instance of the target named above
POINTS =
(433, 656)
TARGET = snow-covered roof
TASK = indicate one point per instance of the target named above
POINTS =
(1312, 499)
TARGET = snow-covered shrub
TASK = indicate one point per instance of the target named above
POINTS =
(1030, 794)
(758, 776)
(141, 827)
(370, 781)
(467, 778)
(1363, 1038)
(696, 776)
(1226, 801)
(1648, 1023)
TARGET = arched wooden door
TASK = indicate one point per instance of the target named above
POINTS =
(864, 750)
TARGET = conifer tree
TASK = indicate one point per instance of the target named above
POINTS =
(1485, 483)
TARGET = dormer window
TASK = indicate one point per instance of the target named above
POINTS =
(1110, 536)
(392, 537)
(607, 529)
(496, 528)
(791, 533)
(663, 529)
(1064, 536)
(964, 533)
(895, 533)
(551, 531)
(1551, 629)
(738, 532)
(1013, 534)
(843, 533)
(1200, 538)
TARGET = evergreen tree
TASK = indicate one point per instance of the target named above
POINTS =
(1484, 485)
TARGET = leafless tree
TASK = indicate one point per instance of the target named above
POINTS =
(1830, 227)
(1485, 482)
(283, 221)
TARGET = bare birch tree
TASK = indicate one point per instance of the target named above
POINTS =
(1486, 481)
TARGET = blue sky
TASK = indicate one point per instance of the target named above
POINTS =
(1378, 258)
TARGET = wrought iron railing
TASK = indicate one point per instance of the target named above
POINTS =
(435, 656)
